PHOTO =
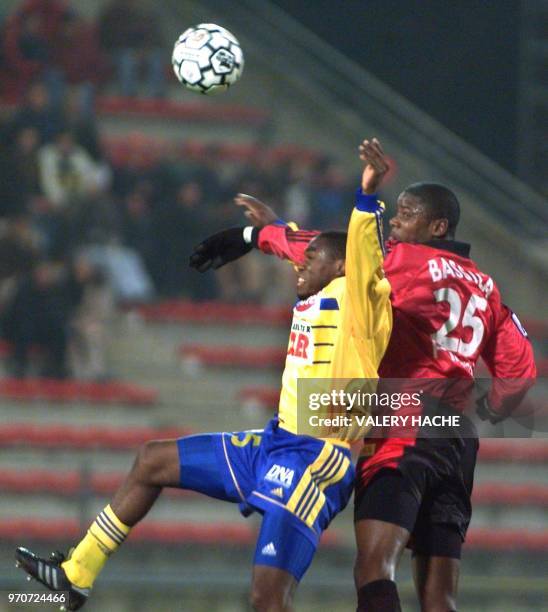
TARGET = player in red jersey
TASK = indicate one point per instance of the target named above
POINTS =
(414, 489)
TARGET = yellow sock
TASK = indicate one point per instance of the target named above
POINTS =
(104, 536)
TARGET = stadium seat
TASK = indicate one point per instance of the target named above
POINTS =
(51, 390)
(234, 356)
(150, 108)
(518, 451)
(82, 438)
(70, 482)
(160, 532)
(266, 397)
(234, 534)
(214, 312)
(67, 483)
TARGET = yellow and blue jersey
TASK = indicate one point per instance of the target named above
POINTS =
(341, 332)
(300, 482)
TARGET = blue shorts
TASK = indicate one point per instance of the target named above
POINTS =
(298, 483)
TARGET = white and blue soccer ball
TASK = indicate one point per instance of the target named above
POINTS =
(207, 58)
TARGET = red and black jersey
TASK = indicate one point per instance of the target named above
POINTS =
(447, 314)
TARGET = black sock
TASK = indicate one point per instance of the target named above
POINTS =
(379, 596)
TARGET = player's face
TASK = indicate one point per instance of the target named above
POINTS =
(411, 223)
(318, 270)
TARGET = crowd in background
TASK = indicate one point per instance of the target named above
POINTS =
(79, 233)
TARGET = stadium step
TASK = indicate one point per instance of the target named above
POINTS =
(47, 436)
(153, 108)
(233, 356)
(236, 534)
(215, 313)
(71, 482)
(530, 451)
(49, 390)
(260, 396)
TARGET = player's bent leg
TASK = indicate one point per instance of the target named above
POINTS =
(282, 556)
(272, 589)
(385, 513)
(380, 546)
(436, 581)
(156, 466)
(436, 565)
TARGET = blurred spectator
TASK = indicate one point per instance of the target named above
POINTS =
(67, 172)
(178, 228)
(39, 315)
(298, 194)
(90, 324)
(29, 37)
(331, 196)
(77, 54)
(18, 254)
(123, 268)
(139, 231)
(19, 173)
(68, 177)
(136, 167)
(37, 112)
(131, 34)
(82, 125)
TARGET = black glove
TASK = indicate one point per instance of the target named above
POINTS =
(486, 413)
(220, 249)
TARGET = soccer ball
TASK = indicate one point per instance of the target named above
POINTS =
(207, 58)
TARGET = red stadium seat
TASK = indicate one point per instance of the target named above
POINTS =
(68, 482)
(215, 312)
(71, 482)
(264, 396)
(242, 534)
(164, 532)
(66, 436)
(41, 389)
(151, 108)
(507, 540)
(496, 493)
(519, 451)
(234, 356)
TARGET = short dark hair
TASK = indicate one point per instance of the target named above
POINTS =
(335, 241)
(440, 201)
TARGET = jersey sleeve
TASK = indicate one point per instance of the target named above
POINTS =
(285, 241)
(367, 288)
(509, 356)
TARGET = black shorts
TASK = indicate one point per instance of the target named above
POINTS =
(427, 491)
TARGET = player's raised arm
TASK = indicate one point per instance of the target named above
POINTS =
(270, 234)
(368, 290)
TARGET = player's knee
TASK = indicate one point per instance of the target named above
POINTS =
(266, 598)
(271, 592)
(149, 461)
(373, 564)
(436, 600)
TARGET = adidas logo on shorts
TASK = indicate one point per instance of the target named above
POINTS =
(269, 550)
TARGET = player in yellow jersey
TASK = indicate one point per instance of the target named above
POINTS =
(298, 483)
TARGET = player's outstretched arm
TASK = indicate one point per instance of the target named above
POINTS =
(270, 234)
(368, 290)
(221, 248)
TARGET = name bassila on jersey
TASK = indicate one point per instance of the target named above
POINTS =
(441, 268)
